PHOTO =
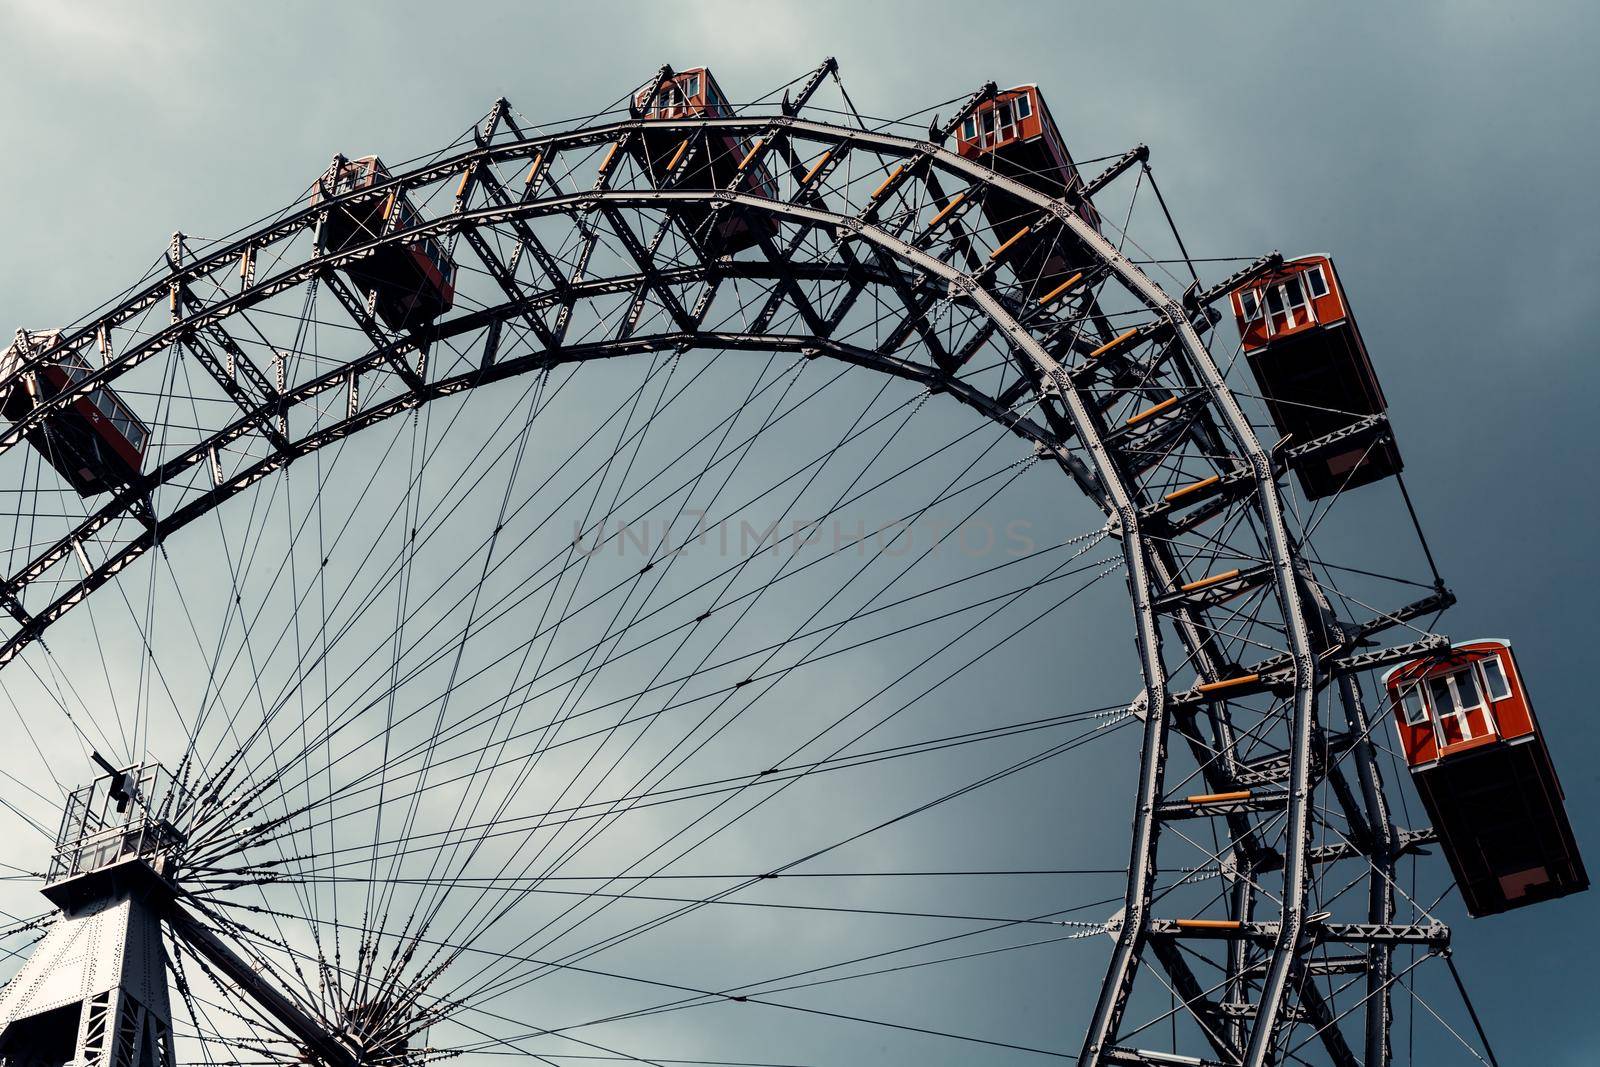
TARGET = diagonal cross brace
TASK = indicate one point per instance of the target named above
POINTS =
(358, 311)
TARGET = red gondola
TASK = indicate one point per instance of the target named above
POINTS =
(672, 159)
(415, 282)
(1015, 134)
(1301, 341)
(96, 442)
(1470, 736)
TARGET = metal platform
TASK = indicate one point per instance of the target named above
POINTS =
(94, 992)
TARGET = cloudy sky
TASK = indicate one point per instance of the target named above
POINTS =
(1444, 153)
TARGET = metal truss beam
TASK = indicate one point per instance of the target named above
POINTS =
(1317, 932)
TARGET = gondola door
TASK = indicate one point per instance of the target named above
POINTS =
(1461, 713)
(1287, 307)
(1007, 121)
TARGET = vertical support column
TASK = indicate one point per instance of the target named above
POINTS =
(1380, 841)
(93, 992)
(1380, 883)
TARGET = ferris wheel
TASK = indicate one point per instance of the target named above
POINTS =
(399, 673)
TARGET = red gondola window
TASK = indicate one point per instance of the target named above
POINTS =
(676, 99)
(1287, 306)
(994, 126)
(1494, 674)
(669, 102)
(1299, 306)
(353, 176)
(682, 98)
(1458, 703)
(1250, 304)
(717, 106)
(76, 369)
(1288, 302)
(1416, 708)
(1006, 120)
(441, 262)
(1317, 282)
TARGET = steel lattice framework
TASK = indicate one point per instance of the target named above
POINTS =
(1138, 415)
